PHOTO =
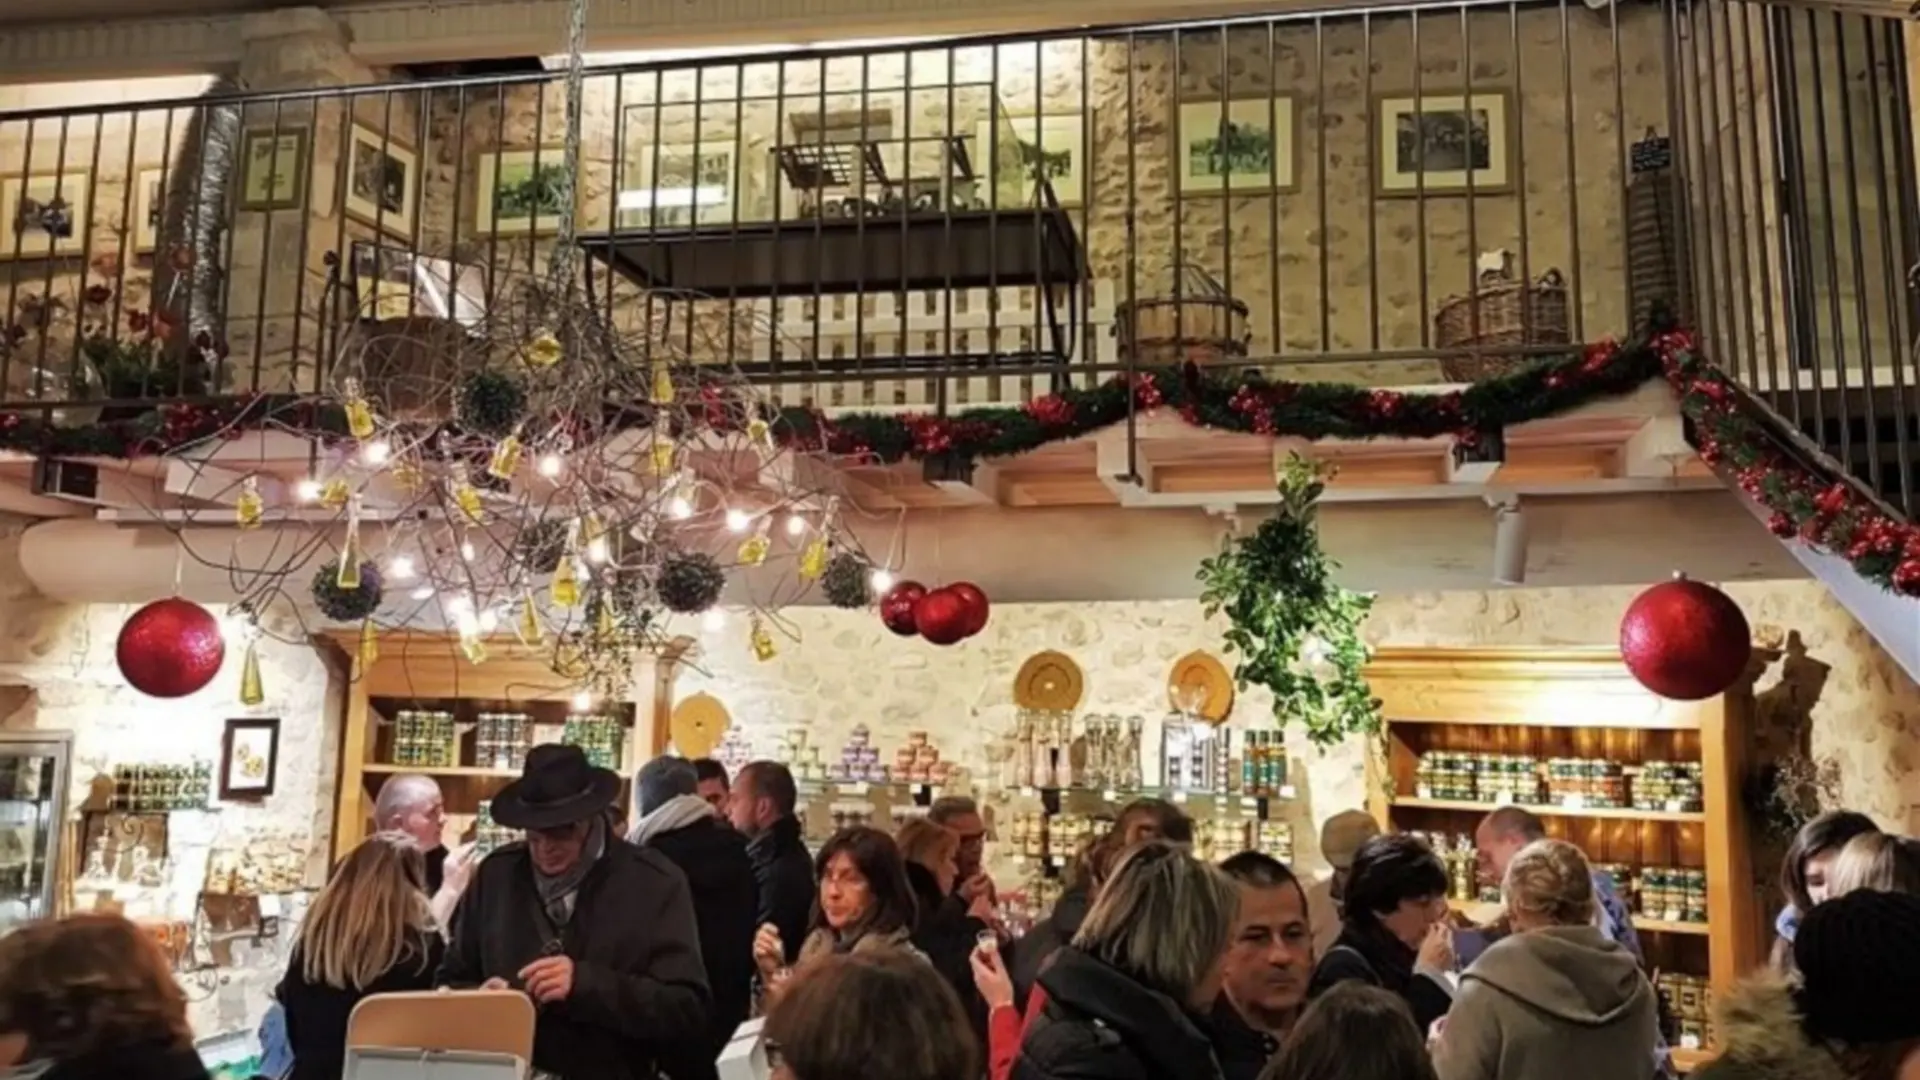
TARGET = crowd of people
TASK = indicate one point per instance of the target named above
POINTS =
(645, 935)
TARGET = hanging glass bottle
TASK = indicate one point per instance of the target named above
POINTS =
(359, 411)
(506, 457)
(349, 575)
(252, 690)
(754, 549)
(249, 508)
(527, 627)
(663, 393)
(813, 558)
(566, 582)
(763, 648)
(467, 498)
(369, 644)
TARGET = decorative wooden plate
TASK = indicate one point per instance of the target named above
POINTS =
(1200, 675)
(1049, 680)
(697, 725)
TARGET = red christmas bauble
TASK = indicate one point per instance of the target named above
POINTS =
(170, 648)
(897, 607)
(1685, 640)
(977, 607)
(942, 616)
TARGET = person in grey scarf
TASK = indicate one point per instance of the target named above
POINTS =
(598, 932)
(674, 821)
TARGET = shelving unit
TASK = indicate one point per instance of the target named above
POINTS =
(427, 672)
(1542, 705)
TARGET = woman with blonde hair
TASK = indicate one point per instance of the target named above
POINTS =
(1125, 999)
(945, 927)
(1557, 997)
(368, 932)
(91, 997)
(1878, 861)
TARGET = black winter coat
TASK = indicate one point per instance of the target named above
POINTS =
(638, 981)
(714, 859)
(1031, 952)
(944, 931)
(783, 870)
(317, 1014)
(1371, 957)
(143, 1062)
(1099, 1024)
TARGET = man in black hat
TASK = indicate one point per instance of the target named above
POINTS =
(598, 932)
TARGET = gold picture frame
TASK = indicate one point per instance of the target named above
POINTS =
(532, 206)
(382, 182)
(1249, 147)
(1432, 144)
(275, 167)
(45, 215)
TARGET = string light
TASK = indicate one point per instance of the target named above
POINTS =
(583, 701)
(738, 520)
(489, 621)
(597, 550)
(424, 592)
(680, 508)
(550, 466)
(400, 567)
(308, 490)
(713, 619)
(377, 453)
(882, 579)
(466, 548)
(796, 524)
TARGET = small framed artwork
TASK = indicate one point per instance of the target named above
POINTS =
(678, 186)
(1443, 144)
(249, 758)
(1246, 147)
(149, 209)
(382, 181)
(520, 192)
(46, 215)
(276, 169)
(1050, 146)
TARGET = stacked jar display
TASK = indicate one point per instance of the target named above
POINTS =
(425, 739)
(602, 739)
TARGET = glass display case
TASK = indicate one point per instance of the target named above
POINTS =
(34, 770)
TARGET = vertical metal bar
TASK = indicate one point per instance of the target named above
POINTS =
(1320, 165)
(1862, 315)
(494, 273)
(127, 248)
(1518, 162)
(1226, 172)
(1376, 166)
(1473, 229)
(1719, 247)
(693, 215)
(733, 201)
(1765, 219)
(1803, 320)
(1904, 168)
(1742, 299)
(53, 243)
(1829, 226)
(1132, 326)
(1892, 280)
(1419, 192)
(1089, 185)
(1788, 203)
(93, 186)
(620, 180)
(266, 241)
(1575, 275)
(1622, 162)
(1277, 344)
(305, 218)
(539, 146)
(940, 386)
(819, 226)
(1179, 206)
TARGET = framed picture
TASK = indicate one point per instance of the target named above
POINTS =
(520, 192)
(249, 758)
(393, 283)
(1247, 147)
(382, 181)
(1435, 147)
(276, 169)
(1050, 146)
(674, 187)
(46, 215)
(149, 208)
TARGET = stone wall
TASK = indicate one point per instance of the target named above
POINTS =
(845, 669)
(57, 674)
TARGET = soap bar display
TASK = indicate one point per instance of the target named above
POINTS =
(159, 788)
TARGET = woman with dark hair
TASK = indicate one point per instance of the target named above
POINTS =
(1353, 1032)
(869, 1014)
(91, 997)
(864, 904)
(1805, 873)
(1393, 929)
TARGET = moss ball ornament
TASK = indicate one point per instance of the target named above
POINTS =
(690, 582)
(346, 605)
(491, 403)
(848, 581)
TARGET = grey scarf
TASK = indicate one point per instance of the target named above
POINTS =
(557, 892)
(676, 813)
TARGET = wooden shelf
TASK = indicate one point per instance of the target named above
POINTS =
(384, 768)
(1617, 813)
(1640, 922)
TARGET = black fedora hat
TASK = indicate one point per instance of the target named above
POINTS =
(557, 787)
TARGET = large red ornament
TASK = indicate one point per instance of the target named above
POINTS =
(170, 648)
(1685, 640)
(897, 607)
(942, 616)
(976, 602)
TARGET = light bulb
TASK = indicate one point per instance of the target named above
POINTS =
(796, 525)
(582, 701)
(489, 621)
(400, 567)
(597, 550)
(882, 579)
(738, 520)
(680, 508)
(461, 605)
(466, 623)
(550, 465)
(713, 619)
(308, 490)
(424, 592)
(377, 452)
(466, 550)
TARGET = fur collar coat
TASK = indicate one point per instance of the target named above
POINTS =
(1761, 1038)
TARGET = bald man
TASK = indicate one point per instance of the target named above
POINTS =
(411, 803)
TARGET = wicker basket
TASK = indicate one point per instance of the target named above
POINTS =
(1201, 323)
(1501, 313)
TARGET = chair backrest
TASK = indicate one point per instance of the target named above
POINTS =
(476, 1021)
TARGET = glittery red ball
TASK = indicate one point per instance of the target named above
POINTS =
(896, 607)
(1685, 640)
(942, 616)
(1906, 577)
(170, 648)
(976, 601)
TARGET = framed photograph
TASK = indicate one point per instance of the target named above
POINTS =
(276, 169)
(1247, 147)
(1436, 146)
(249, 758)
(149, 208)
(383, 179)
(46, 215)
(393, 283)
(1049, 146)
(520, 192)
(675, 187)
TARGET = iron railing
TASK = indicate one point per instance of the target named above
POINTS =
(1397, 197)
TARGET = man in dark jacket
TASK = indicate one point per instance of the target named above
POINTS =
(676, 822)
(598, 932)
(761, 807)
(1269, 962)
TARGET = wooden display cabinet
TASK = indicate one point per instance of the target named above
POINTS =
(427, 672)
(1545, 704)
